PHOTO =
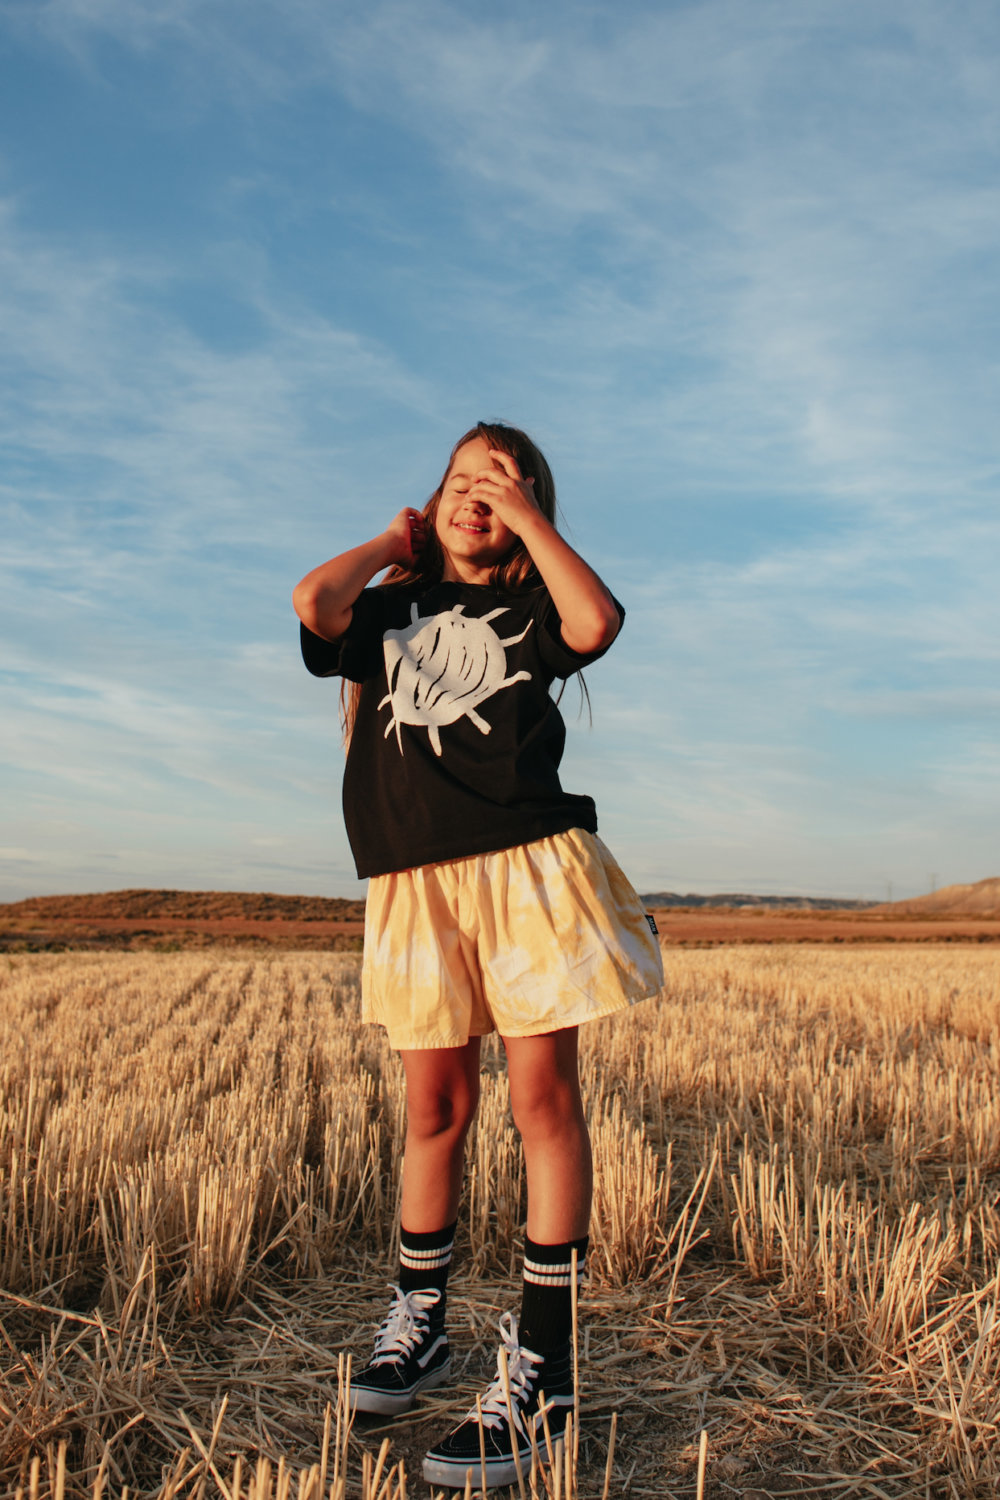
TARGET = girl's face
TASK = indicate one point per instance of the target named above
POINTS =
(473, 538)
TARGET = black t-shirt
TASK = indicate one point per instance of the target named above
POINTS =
(457, 742)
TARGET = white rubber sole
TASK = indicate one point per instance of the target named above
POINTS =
(391, 1403)
(499, 1471)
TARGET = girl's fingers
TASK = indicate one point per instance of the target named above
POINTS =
(495, 480)
(410, 526)
(507, 463)
(494, 485)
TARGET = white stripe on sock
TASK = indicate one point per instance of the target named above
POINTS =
(549, 1275)
(425, 1260)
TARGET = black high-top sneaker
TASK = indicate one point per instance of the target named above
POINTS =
(411, 1355)
(531, 1376)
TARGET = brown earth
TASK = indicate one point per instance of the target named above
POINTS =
(196, 919)
(709, 926)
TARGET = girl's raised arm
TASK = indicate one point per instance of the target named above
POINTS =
(588, 614)
(324, 600)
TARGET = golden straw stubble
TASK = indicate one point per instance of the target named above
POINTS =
(794, 1246)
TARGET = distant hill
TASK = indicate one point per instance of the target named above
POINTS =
(139, 905)
(171, 920)
(770, 903)
(981, 899)
(181, 919)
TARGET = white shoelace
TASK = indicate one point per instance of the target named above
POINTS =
(520, 1372)
(404, 1325)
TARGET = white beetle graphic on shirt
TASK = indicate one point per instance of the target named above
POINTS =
(441, 667)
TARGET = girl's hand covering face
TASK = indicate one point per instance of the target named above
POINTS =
(407, 534)
(483, 508)
(505, 490)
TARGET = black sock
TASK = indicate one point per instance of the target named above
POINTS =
(424, 1262)
(546, 1321)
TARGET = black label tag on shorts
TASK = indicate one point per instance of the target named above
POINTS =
(652, 923)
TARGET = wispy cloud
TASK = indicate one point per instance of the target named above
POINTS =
(687, 164)
(100, 369)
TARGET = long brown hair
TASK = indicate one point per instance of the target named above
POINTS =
(515, 571)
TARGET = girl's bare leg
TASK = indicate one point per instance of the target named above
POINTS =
(548, 1111)
(442, 1092)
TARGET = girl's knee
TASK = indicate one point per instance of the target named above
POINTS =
(442, 1090)
(548, 1107)
(442, 1111)
(545, 1082)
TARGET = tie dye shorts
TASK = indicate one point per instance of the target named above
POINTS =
(524, 941)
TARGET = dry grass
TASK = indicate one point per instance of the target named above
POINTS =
(794, 1251)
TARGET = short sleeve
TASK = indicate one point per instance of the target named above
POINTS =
(357, 654)
(560, 659)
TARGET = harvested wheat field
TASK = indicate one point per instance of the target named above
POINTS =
(794, 1281)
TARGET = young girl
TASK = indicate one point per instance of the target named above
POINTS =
(491, 905)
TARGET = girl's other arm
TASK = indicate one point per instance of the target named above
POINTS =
(588, 615)
(324, 600)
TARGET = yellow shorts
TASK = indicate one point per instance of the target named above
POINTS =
(528, 940)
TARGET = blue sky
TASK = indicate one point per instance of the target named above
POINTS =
(735, 266)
